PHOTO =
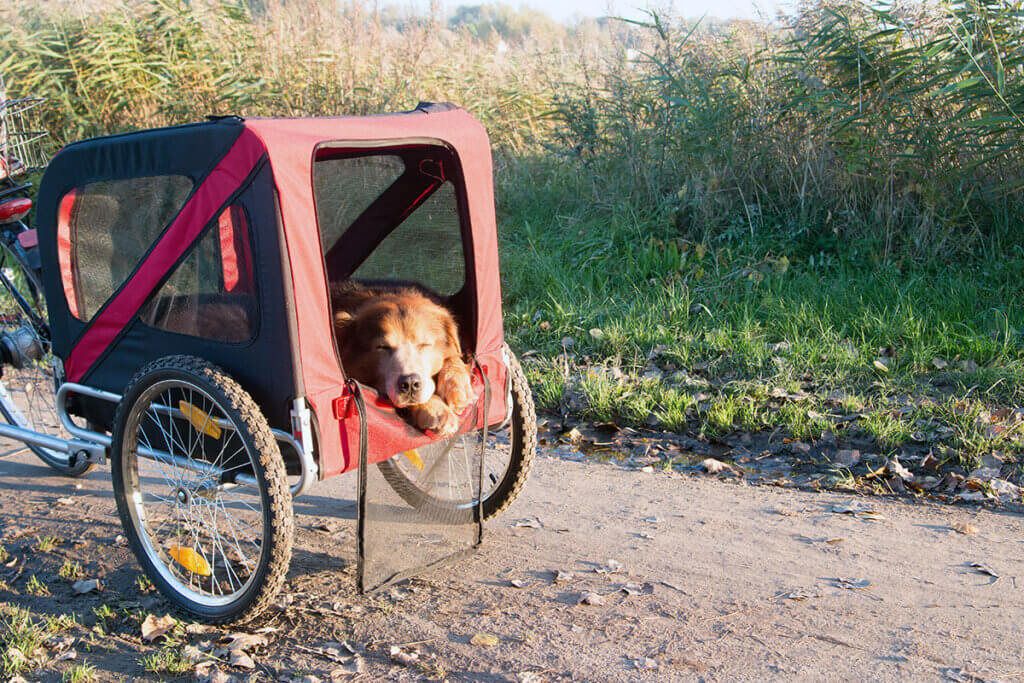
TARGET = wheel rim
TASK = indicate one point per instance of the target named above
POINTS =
(204, 536)
(32, 389)
(450, 475)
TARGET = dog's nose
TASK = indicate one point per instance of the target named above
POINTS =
(410, 384)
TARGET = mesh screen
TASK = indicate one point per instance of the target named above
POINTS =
(212, 292)
(419, 510)
(344, 188)
(426, 248)
(112, 224)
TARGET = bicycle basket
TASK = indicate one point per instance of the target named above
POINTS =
(20, 150)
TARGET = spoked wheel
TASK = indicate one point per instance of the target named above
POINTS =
(28, 395)
(201, 490)
(444, 476)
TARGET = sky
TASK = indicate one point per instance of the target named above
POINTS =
(564, 10)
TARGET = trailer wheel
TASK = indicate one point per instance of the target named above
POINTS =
(510, 453)
(201, 490)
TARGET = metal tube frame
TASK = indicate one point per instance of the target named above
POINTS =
(93, 445)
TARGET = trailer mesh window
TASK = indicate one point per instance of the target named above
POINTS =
(212, 293)
(392, 215)
(104, 230)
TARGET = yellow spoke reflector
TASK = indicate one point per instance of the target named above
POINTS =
(200, 420)
(414, 457)
(190, 560)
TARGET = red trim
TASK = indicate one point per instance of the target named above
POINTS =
(229, 261)
(202, 208)
(67, 280)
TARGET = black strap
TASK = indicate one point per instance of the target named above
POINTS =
(357, 396)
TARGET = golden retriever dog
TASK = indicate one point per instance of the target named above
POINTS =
(401, 341)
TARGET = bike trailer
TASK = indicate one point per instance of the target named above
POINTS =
(186, 272)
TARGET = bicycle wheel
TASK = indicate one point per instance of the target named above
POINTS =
(28, 395)
(509, 457)
(201, 490)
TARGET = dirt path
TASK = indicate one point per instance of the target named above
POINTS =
(720, 567)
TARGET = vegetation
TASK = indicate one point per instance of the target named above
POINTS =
(694, 217)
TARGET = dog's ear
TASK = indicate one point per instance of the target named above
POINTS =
(451, 337)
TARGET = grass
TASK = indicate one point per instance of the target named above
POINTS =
(169, 659)
(721, 341)
(80, 673)
(36, 587)
(71, 570)
(20, 636)
(47, 543)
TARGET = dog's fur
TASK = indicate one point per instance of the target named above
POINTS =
(401, 341)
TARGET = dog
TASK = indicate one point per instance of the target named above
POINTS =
(400, 340)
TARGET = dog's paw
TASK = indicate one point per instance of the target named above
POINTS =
(435, 416)
(455, 388)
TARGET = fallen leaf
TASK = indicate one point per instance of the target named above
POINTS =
(242, 641)
(597, 333)
(59, 643)
(983, 568)
(590, 599)
(348, 669)
(484, 640)
(530, 523)
(153, 627)
(800, 596)
(895, 468)
(882, 364)
(645, 664)
(871, 516)
(939, 364)
(964, 528)
(834, 541)
(404, 655)
(712, 466)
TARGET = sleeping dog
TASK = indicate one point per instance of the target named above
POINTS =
(401, 341)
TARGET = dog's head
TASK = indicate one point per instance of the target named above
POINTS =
(397, 342)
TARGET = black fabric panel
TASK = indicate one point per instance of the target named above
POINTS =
(262, 366)
(190, 150)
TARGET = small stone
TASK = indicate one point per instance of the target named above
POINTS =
(1004, 489)
(847, 457)
(984, 474)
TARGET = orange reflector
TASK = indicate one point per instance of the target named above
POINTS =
(200, 420)
(190, 560)
(414, 457)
